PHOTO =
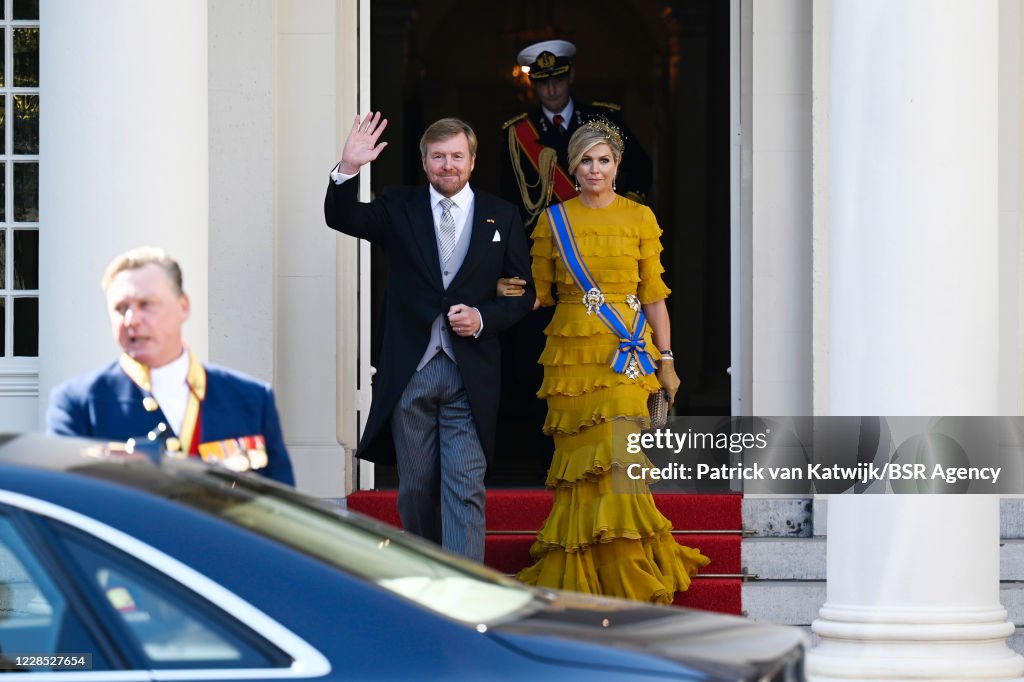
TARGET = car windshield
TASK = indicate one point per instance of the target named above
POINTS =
(405, 565)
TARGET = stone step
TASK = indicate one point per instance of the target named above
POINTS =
(804, 558)
(787, 602)
(776, 516)
(784, 558)
(1011, 560)
(1011, 518)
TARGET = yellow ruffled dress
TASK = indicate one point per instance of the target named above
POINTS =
(598, 539)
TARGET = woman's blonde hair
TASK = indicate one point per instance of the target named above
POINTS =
(591, 134)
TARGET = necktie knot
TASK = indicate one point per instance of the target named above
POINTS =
(558, 121)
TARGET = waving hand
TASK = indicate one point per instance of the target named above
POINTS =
(361, 147)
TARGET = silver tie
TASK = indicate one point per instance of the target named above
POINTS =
(447, 230)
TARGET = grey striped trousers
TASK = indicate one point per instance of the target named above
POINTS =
(440, 460)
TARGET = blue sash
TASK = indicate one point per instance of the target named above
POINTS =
(632, 357)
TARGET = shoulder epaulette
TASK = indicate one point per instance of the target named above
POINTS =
(607, 105)
(506, 124)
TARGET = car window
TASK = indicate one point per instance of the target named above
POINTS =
(170, 626)
(457, 588)
(36, 621)
(432, 579)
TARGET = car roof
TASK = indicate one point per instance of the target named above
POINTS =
(59, 453)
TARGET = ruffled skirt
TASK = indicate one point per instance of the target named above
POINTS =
(604, 534)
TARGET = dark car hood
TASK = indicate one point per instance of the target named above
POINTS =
(709, 641)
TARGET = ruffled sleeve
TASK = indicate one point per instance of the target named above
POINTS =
(543, 255)
(651, 288)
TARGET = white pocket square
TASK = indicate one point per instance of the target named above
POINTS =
(497, 236)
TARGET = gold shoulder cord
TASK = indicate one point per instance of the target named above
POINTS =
(545, 176)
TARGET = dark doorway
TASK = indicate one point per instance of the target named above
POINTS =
(665, 63)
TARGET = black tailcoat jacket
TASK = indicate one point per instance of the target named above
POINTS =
(402, 223)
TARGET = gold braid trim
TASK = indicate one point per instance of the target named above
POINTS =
(547, 163)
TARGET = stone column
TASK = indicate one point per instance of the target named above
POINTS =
(913, 580)
(123, 162)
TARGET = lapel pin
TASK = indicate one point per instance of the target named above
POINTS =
(490, 220)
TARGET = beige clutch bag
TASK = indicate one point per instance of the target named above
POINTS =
(657, 407)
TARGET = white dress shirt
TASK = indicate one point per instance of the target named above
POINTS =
(462, 209)
(566, 114)
(170, 388)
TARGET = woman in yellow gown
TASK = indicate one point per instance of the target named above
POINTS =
(600, 538)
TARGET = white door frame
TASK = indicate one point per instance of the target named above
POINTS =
(364, 470)
(740, 226)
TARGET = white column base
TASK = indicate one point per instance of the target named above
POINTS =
(913, 591)
(896, 651)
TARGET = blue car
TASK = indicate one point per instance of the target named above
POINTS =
(125, 566)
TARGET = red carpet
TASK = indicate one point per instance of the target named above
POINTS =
(525, 510)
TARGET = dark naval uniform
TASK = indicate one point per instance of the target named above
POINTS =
(527, 181)
(529, 133)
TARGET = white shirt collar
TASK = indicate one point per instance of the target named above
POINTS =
(566, 113)
(175, 370)
(171, 390)
(462, 199)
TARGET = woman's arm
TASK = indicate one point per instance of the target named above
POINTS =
(661, 335)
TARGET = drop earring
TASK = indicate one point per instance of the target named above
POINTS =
(577, 179)
(613, 181)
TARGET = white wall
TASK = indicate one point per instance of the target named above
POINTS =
(819, 189)
(781, 166)
(914, 287)
(307, 147)
(242, 180)
(1010, 18)
(352, 277)
(123, 162)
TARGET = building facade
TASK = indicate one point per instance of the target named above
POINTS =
(874, 205)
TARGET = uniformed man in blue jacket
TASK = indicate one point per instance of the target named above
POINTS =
(159, 386)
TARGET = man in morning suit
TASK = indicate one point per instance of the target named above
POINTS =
(435, 396)
(159, 386)
(535, 175)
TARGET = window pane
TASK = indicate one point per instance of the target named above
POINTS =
(26, 57)
(3, 123)
(37, 615)
(3, 327)
(168, 623)
(26, 259)
(26, 124)
(3, 192)
(26, 327)
(33, 609)
(26, 192)
(3, 259)
(3, 56)
(26, 9)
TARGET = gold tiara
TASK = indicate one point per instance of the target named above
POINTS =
(602, 126)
